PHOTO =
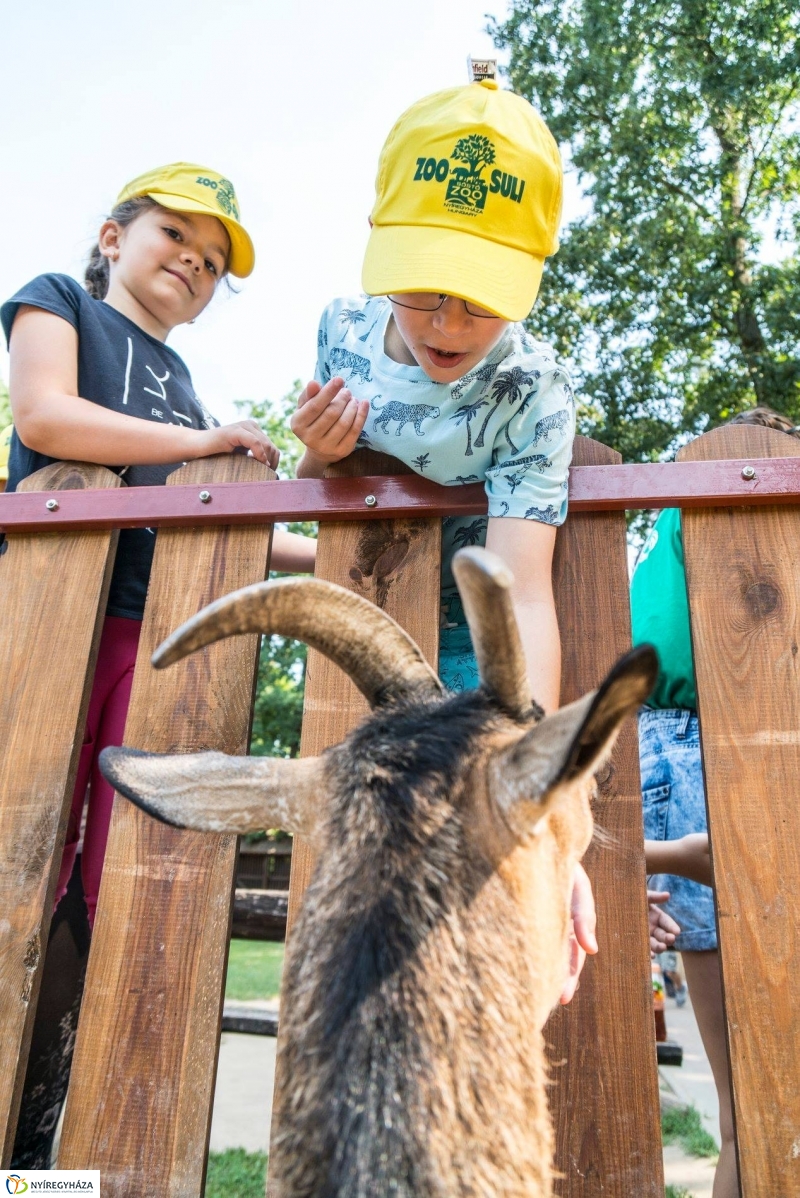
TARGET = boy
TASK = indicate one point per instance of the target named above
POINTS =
(467, 208)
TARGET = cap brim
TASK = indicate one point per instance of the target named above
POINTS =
(242, 257)
(427, 258)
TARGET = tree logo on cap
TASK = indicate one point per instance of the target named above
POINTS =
(226, 198)
(466, 188)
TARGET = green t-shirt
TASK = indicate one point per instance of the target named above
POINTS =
(660, 611)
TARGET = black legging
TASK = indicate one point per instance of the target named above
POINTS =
(54, 1029)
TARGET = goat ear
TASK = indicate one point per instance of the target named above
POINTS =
(212, 792)
(573, 741)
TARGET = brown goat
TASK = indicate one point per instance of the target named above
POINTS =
(433, 939)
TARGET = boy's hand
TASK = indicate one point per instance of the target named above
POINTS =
(244, 434)
(329, 421)
(663, 928)
(582, 937)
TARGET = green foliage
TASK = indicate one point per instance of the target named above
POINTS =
(236, 1174)
(254, 970)
(681, 1125)
(674, 295)
(677, 1192)
(278, 710)
(5, 407)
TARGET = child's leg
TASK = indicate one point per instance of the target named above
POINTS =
(705, 989)
(118, 665)
(103, 683)
(54, 1029)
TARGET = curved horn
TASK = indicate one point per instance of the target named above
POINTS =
(379, 656)
(484, 582)
(213, 792)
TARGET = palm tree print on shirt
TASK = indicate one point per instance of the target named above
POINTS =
(472, 534)
(422, 462)
(351, 316)
(507, 385)
(465, 414)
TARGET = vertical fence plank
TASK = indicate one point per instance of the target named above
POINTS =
(743, 570)
(53, 591)
(396, 564)
(141, 1092)
(602, 1046)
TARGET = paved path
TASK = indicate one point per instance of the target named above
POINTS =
(243, 1099)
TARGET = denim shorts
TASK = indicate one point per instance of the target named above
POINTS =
(674, 804)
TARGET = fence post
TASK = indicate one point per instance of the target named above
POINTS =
(54, 590)
(396, 564)
(742, 569)
(142, 1085)
(604, 1095)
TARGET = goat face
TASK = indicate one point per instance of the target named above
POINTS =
(433, 939)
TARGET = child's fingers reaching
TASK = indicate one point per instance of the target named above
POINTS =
(244, 434)
(314, 403)
(330, 422)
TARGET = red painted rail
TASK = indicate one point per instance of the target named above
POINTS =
(591, 488)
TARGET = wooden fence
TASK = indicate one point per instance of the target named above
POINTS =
(142, 1085)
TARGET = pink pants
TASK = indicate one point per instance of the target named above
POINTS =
(105, 725)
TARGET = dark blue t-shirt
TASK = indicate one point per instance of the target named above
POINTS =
(125, 369)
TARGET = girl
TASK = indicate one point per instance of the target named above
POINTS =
(92, 379)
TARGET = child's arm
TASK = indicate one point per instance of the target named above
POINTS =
(526, 546)
(688, 857)
(328, 421)
(293, 553)
(53, 419)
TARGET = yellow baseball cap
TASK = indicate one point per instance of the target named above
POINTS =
(186, 187)
(468, 200)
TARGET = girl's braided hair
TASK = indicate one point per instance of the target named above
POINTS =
(96, 275)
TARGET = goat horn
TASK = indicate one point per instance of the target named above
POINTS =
(484, 583)
(380, 657)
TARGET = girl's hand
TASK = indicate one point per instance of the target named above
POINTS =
(663, 928)
(244, 434)
(328, 421)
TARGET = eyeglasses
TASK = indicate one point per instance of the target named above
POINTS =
(431, 301)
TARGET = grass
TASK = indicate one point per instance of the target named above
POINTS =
(677, 1192)
(236, 1174)
(681, 1125)
(254, 971)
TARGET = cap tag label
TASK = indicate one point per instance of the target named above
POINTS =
(467, 190)
(481, 68)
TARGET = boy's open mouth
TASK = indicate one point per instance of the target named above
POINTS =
(444, 358)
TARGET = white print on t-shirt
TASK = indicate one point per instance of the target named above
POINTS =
(162, 391)
(155, 412)
(181, 416)
(128, 365)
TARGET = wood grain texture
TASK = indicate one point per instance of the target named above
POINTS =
(53, 591)
(142, 1085)
(743, 576)
(603, 1064)
(396, 564)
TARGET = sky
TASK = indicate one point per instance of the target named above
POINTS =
(291, 100)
